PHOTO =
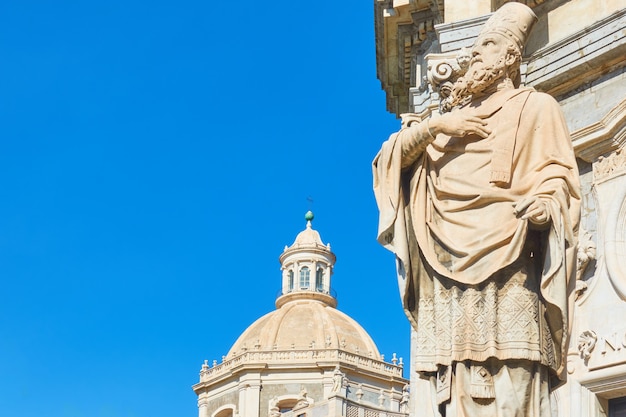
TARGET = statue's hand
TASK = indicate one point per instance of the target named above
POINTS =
(534, 209)
(459, 123)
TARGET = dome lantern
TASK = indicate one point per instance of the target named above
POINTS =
(307, 266)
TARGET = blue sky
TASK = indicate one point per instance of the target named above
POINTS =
(156, 157)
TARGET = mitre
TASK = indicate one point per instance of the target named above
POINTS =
(513, 20)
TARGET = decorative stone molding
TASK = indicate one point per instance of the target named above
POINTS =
(230, 407)
(586, 343)
(402, 28)
(600, 138)
(562, 66)
(298, 358)
(273, 409)
(445, 68)
(457, 35)
(610, 166)
(303, 400)
(601, 349)
(606, 382)
(411, 38)
(442, 72)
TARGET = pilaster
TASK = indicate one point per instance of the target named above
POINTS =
(250, 394)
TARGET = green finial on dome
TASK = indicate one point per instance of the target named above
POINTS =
(309, 216)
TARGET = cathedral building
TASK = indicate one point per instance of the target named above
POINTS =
(306, 358)
(576, 53)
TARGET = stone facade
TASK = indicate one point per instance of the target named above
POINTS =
(576, 53)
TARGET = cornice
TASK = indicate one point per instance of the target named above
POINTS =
(608, 382)
(581, 57)
(295, 358)
(601, 137)
(300, 251)
(456, 35)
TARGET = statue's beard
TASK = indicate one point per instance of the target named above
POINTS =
(477, 80)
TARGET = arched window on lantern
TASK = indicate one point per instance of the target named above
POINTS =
(305, 278)
(290, 283)
(319, 279)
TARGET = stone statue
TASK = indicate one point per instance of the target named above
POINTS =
(404, 402)
(337, 379)
(481, 207)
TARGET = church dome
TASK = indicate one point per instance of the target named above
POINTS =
(305, 324)
(305, 317)
(305, 357)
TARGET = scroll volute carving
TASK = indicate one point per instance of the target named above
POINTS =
(586, 343)
(443, 71)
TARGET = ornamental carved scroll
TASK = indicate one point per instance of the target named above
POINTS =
(443, 71)
(586, 343)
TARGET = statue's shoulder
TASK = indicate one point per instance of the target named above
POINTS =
(537, 102)
(541, 106)
(538, 98)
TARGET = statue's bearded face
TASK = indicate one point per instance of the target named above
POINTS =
(488, 63)
(493, 58)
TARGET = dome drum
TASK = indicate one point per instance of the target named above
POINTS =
(327, 297)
